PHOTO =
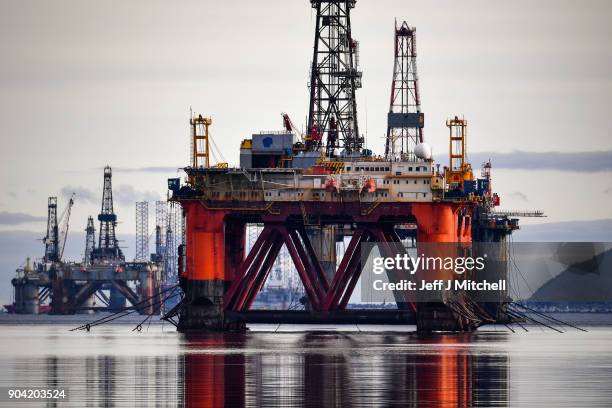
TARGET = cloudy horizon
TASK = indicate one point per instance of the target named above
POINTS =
(81, 90)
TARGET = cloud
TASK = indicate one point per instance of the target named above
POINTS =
(128, 195)
(519, 196)
(123, 194)
(151, 169)
(586, 162)
(10, 218)
(82, 194)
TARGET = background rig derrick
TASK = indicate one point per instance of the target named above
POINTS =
(309, 192)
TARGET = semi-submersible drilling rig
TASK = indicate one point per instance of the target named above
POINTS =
(103, 281)
(324, 186)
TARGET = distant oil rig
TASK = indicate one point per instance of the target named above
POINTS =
(103, 281)
(312, 190)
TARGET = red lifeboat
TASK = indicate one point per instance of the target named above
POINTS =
(369, 186)
(331, 185)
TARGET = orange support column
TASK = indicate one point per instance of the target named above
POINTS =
(443, 228)
(208, 267)
(205, 247)
(437, 222)
(235, 244)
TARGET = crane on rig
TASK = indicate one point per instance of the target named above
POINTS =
(57, 230)
(64, 222)
(290, 126)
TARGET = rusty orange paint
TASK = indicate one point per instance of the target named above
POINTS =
(439, 222)
(205, 247)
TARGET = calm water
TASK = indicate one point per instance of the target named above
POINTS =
(112, 366)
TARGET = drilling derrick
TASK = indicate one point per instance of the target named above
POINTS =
(334, 77)
(90, 240)
(52, 238)
(108, 246)
(405, 120)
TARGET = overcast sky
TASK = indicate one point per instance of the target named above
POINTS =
(84, 84)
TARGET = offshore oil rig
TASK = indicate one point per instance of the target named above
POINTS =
(103, 281)
(311, 190)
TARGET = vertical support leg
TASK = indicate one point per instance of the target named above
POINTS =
(353, 274)
(338, 284)
(311, 265)
(441, 227)
(235, 240)
(313, 257)
(204, 280)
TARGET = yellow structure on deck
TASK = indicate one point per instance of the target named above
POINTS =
(201, 148)
(460, 170)
(201, 143)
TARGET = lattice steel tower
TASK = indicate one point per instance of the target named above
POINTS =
(334, 77)
(170, 253)
(161, 220)
(142, 231)
(108, 245)
(405, 121)
(52, 238)
(173, 238)
(90, 240)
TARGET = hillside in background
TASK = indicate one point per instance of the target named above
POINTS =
(587, 281)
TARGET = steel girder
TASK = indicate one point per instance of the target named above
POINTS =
(322, 295)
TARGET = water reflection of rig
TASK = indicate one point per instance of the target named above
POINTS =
(104, 280)
(325, 186)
